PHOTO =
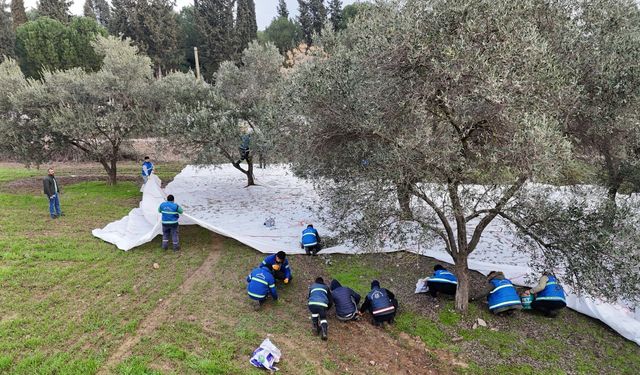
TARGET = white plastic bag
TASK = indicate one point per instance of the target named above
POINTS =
(421, 286)
(266, 356)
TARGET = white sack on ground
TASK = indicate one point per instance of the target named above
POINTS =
(217, 199)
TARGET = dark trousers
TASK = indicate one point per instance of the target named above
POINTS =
(54, 206)
(388, 317)
(547, 307)
(312, 250)
(318, 316)
(444, 288)
(279, 275)
(170, 231)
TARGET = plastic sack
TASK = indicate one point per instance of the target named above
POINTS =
(421, 286)
(266, 356)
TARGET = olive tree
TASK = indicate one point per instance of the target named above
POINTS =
(93, 112)
(209, 121)
(450, 105)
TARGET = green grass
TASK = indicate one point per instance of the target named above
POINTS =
(11, 174)
(353, 272)
(419, 326)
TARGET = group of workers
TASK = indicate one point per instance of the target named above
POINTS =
(547, 297)
(380, 302)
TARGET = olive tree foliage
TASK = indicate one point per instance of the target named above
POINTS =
(443, 108)
(606, 121)
(93, 112)
(208, 121)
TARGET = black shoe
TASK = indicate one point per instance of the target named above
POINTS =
(176, 249)
(324, 333)
(256, 305)
(316, 327)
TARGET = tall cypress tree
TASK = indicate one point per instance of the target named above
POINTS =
(214, 20)
(282, 9)
(335, 13)
(98, 10)
(56, 9)
(246, 25)
(152, 25)
(318, 14)
(305, 20)
(7, 36)
(18, 15)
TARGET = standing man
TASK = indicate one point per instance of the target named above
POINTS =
(51, 190)
(310, 240)
(147, 169)
(170, 214)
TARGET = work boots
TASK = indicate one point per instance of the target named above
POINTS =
(324, 331)
(316, 326)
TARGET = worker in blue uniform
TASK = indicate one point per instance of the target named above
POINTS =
(279, 266)
(170, 214)
(503, 298)
(310, 240)
(442, 281)
(260, 285)
(549, 297)
(319, 301)
(380, 303)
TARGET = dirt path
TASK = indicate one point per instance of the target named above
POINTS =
(161, 313)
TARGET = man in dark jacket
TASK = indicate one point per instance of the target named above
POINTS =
(52, 190)
(346, 301)
(381, 303)
(319, 302)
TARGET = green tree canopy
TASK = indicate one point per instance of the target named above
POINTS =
(48, 44)
(284, 34)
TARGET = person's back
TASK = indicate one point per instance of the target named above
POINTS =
(310, 240)
(346, 301)
(319, 301)
(503, 297)
(170, 212)
(442, 281)
(381, 303)
(261, 283)
(549, 295)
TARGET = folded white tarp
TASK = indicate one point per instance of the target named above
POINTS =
(216, 198)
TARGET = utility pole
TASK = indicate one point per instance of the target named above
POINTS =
(195, 53)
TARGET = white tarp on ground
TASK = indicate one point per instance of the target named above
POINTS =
(217, 199)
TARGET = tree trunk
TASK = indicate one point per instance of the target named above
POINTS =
(110, 168)
(462, 273)
(250, 181)
(113, 172)
(404, 200)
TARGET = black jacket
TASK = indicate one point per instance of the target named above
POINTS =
(50, 183)
(346, 299)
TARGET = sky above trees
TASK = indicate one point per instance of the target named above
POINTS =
(265, 9)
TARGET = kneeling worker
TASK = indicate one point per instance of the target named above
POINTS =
(260, 284)
(319, 302)
(346, 301)
(279, 266)
(310, 240)
(442, 281)
(549, 295)
(503, 297)
(381, 303)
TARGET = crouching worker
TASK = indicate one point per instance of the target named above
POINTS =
(549, 295)
(442, 281)
(346, 301)
(381, 303)
(261, 284)
(503, 298)
(279, 266)
(310, 240)
(319, 302)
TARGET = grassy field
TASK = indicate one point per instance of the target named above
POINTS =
(72, 304)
